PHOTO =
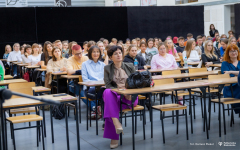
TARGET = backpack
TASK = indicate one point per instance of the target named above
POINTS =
(26, 76)
(58, 112)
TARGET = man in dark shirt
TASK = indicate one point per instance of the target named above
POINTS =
(181, 46)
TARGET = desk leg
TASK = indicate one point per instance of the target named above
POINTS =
(51, 124)
(57, 83)
(133, 134)
(190, 107)
(44, 121)
(77, 126)
(66, 121)
(121, 117)
(151, 113)
(203, 89)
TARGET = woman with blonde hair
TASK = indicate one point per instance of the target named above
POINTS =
(232, 40)
(170, 48)
(209, 56)
(8, 49)
(190, 53)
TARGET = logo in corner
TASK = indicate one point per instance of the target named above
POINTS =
(220, 143)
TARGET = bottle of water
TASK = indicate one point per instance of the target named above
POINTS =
(136, 64)
(185, 62)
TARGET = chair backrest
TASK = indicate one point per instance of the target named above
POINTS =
(24, 88)
(163, 81)
(170, 72)
(80, 78)
(194, 70)
(220, 76)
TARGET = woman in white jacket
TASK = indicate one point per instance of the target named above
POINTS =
(190, 53)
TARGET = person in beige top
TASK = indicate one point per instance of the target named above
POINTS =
(74, 66)
(57, 63)
(74, 63)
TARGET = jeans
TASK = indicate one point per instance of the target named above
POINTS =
(14, 68)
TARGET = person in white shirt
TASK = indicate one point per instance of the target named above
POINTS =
(150, 48)
(27, 53)
(35, 58)
(190, 53)
(15, 55)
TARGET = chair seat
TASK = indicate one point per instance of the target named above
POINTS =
(22, 110)
(40, 89)
(227, 100)
(24, 118)
(169, 107)
(179, 93)
(136, 108)
(197, 90)
(71, 105)
(88, 98)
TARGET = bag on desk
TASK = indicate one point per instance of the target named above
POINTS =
(139, 80)
(26, 76)
(58, 112)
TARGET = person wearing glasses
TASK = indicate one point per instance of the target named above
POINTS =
(209, 56)
(74, 66)
(231, 66)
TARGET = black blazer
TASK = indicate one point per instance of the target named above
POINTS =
(211, 33)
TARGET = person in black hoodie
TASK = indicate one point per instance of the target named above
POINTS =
(132, 55)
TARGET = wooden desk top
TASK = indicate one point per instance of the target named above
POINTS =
(178, 60)
(185, 75)
(6, 82)
(58, 73)
(93, 83)
(17, 63)
(193, 63)
(177, 86)
(70, 76)
(30, 67)
(22, 64)
(39, 69)
(12, 61)
(3, 59)
(216, 65)
(160, 70)
(6, 77)
(40, 89)
(19, 102)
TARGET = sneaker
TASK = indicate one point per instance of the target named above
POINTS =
(15, 76)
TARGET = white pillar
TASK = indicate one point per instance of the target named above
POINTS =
(166, 2)
(109, 2)
(133, 2)
(227, 19)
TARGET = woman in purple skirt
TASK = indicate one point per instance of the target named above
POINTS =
(115, 76)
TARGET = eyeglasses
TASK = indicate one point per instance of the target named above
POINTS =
(78, 54)
(234, 51)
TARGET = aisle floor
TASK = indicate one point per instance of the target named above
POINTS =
(26, 139)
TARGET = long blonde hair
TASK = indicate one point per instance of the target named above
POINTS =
(211, 52)
(166, 45)
(129, 48)
(188, 47)
(6, 48)
(230, 40)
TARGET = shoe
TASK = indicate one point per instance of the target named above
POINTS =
(103, 126)
(119, 130)
(112, 146)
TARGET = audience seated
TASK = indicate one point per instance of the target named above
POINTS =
(26, 56)
(231, 66)
(209, 56)
(132, 56)
(150, 49)
(163, 60)
(170, 48)
(181, 46)
(15, 55)
(65, 49)
(8, 49)
(146, 56)
(115, 76)
(190, 53)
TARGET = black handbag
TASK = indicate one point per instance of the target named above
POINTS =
(139, 80)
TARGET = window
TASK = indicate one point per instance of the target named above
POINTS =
(185, 1)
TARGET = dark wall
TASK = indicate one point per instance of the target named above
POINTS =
(17, 25)
(81, 24)
(237, 20)
(40, 24)
(165, 20)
